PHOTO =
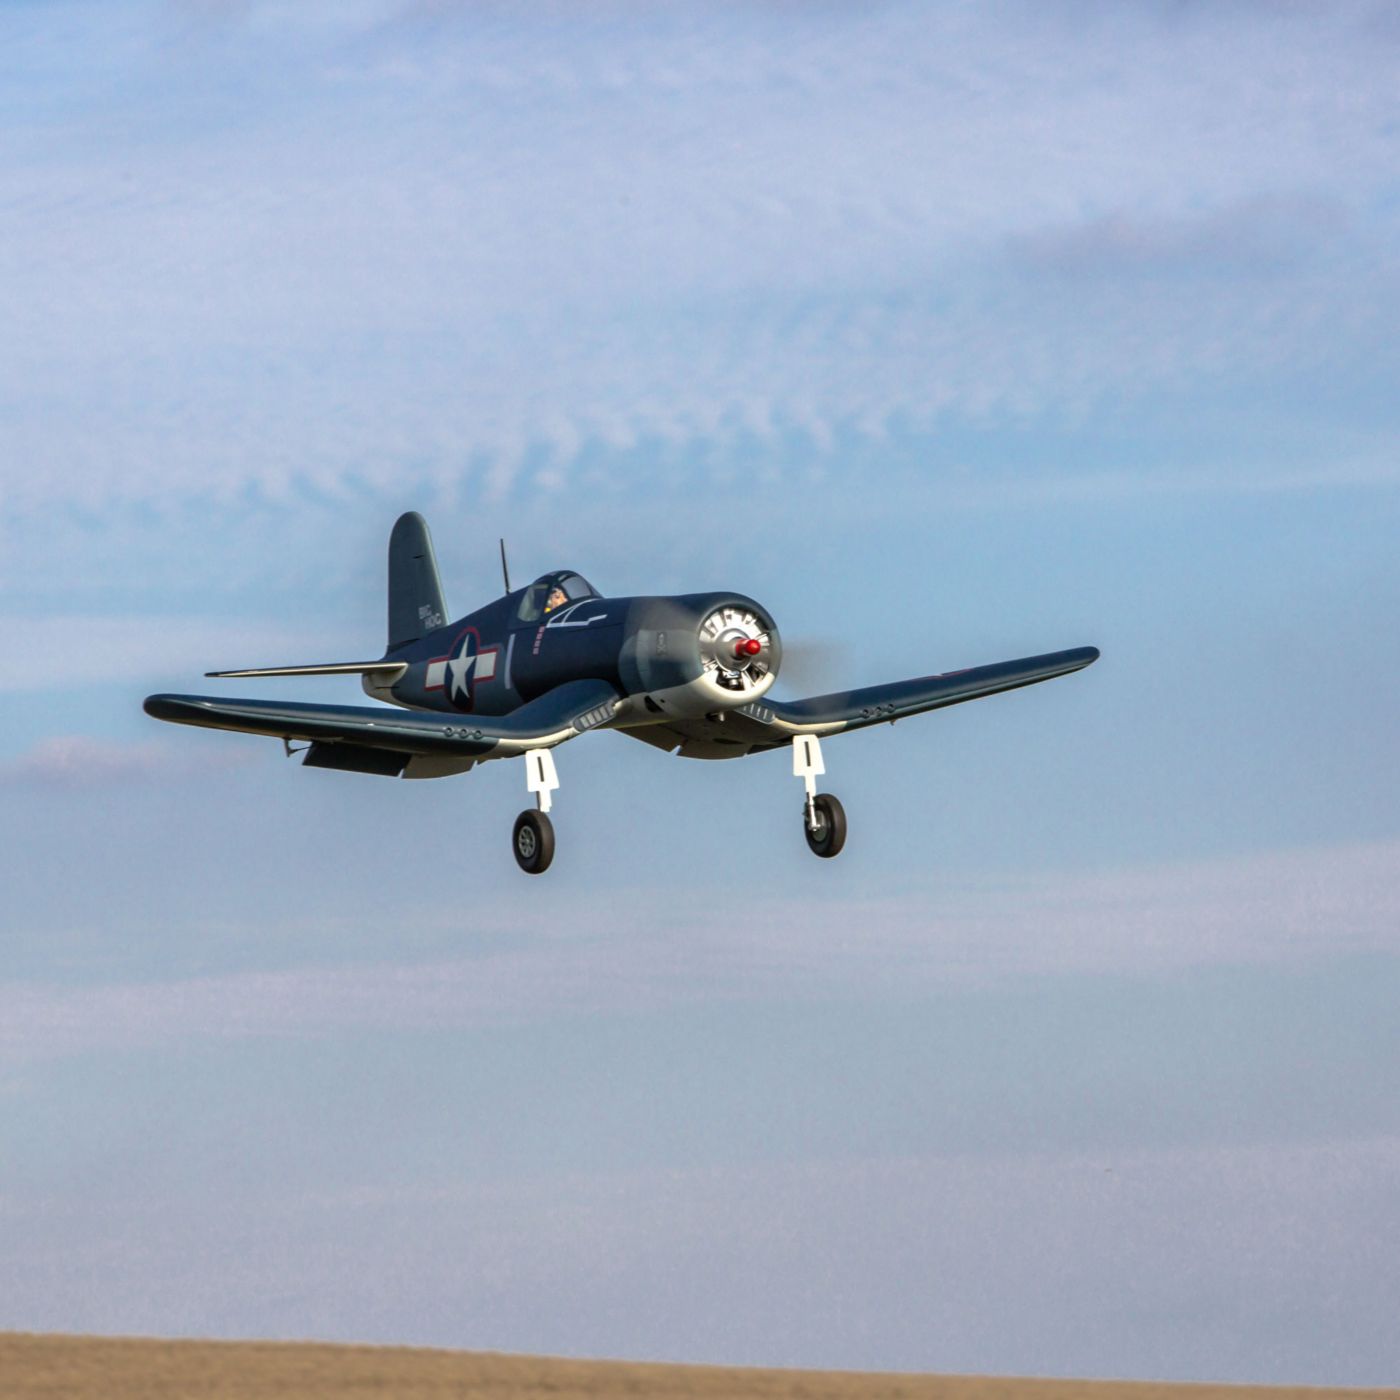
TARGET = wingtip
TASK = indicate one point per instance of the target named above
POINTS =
(172, 707)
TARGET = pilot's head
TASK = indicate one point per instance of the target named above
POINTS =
(556, 599)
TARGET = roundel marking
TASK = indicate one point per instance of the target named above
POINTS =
(467, 665)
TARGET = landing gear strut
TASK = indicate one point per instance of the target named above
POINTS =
(823, 817)
(533, 838)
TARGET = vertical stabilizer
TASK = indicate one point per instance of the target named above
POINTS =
(416, 604)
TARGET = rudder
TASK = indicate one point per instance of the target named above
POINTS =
(416, 604)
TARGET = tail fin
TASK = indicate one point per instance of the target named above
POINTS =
(416, 604)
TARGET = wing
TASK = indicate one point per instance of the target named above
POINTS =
(876, 704)
(769, 724)
(367, 739)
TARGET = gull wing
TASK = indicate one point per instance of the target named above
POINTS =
(769, 724)
(377, 739)
(877, 704)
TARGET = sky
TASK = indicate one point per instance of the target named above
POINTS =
(952, 333)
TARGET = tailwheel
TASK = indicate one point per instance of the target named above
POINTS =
(533, 842)
(824, 825)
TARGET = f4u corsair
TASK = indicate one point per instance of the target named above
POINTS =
(546, 663)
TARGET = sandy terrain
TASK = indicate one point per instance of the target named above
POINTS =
(115, 1368)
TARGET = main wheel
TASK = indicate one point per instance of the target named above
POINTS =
(533, 842)
(827, 832)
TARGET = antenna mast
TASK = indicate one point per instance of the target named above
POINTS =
(505, 572)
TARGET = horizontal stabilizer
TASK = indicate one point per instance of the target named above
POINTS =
(387, 671)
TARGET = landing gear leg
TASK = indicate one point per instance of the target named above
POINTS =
(533, 838)
(823, 817)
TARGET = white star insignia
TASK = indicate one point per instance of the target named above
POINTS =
(460, 669)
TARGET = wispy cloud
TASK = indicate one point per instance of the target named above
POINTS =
(442, 240)
(1257, 237)
(79, 761)
(75, 650)
(1275, 909)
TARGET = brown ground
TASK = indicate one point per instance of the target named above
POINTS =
(76, 1368)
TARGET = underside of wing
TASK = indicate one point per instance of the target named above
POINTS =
(770, 724)
(730, 735)
(372, 739)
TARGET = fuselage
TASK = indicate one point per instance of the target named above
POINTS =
(679, 657)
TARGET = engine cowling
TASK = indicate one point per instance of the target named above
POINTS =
(699, 654)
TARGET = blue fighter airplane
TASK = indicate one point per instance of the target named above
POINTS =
(546, 663)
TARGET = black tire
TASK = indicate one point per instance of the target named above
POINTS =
(533, 842)
(830, 834)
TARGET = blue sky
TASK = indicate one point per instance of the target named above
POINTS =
(952, 333)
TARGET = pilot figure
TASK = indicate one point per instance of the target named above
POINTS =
(556, 599)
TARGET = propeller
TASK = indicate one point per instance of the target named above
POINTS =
(808, 664)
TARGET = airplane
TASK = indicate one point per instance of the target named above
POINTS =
(689, 674)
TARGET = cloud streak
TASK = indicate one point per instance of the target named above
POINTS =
(94, 650)
(1284, 908)
(442, 242)
(80, 761)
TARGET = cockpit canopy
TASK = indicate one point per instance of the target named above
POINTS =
(550, 592)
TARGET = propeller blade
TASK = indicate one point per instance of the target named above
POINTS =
(808, 664)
